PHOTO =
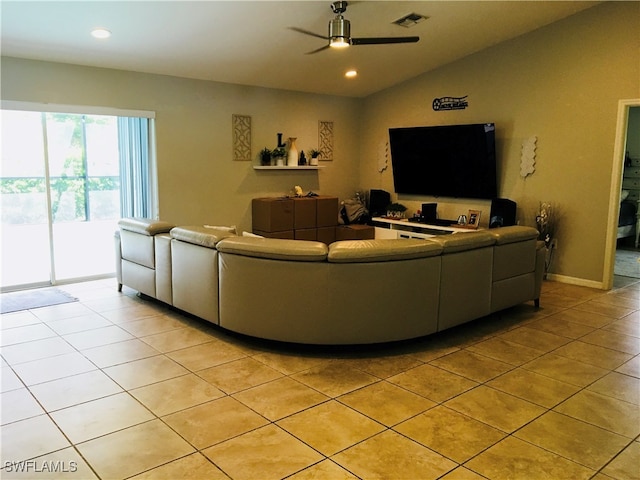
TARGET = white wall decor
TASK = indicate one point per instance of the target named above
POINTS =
(383, 156)
(528, 157)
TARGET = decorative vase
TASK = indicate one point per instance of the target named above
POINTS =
(292, 156)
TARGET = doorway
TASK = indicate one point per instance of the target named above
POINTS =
(627, 262)
(626, 150)
(61, 195)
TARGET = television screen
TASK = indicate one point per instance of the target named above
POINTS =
(445, 161)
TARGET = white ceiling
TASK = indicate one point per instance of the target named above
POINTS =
(250, 43)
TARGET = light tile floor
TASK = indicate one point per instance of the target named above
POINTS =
(114, 386)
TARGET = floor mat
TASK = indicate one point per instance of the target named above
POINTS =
(28, 299)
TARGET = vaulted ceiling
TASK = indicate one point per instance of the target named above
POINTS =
(251, 42)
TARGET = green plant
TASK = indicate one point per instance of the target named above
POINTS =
(278, 152)
(396, 207)
(315, 153)
(265, 156)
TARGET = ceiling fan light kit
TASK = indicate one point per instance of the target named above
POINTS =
(340, 32)
(338, 42)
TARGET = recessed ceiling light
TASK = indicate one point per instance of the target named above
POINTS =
(100, 33)
(351, 73)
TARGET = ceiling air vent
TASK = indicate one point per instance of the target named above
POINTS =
(410, 20)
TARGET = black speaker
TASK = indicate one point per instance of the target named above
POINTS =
(379, 200)
(503, 213)
(429, 212)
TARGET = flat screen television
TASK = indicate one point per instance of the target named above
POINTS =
(445, 160)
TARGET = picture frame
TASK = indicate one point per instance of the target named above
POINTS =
(473, 219)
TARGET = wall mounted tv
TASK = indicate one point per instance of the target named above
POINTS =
(445, 160)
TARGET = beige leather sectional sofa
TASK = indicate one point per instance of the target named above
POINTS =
(349, 292)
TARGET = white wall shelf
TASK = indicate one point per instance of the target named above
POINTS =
(299, 167)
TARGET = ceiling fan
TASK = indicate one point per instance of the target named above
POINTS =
(340, 32)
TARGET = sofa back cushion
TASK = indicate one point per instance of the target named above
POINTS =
(515, 251)
(137, 239)
(274, 299)
(194, 279)
(465, 286)
(382, 301)
(513, 259)
(137, 248)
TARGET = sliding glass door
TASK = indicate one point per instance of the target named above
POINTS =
(61, 197)
(26, 253)
(84, 184)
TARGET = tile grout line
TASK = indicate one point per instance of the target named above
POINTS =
(336, 398)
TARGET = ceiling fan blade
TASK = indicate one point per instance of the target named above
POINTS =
(307, 32)
(317, 50)
(383, 40)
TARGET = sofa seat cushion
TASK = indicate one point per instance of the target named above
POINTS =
(512, 234)
(275, 248)
(460, 242)
(145, 226)
(200, 235)
(353, 251)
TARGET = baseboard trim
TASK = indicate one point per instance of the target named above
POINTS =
(582, 282)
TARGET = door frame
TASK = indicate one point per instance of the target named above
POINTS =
(617, 170)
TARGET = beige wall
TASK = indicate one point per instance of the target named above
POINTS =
(198, 181)
(562, 84)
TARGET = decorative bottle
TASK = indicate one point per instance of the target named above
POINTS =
(292, 156)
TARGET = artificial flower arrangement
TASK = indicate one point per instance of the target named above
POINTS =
(546, 222)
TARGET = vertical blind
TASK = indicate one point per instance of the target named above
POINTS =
(133, 144)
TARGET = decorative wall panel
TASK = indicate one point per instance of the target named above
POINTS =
(241, 137)
(325, 140)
